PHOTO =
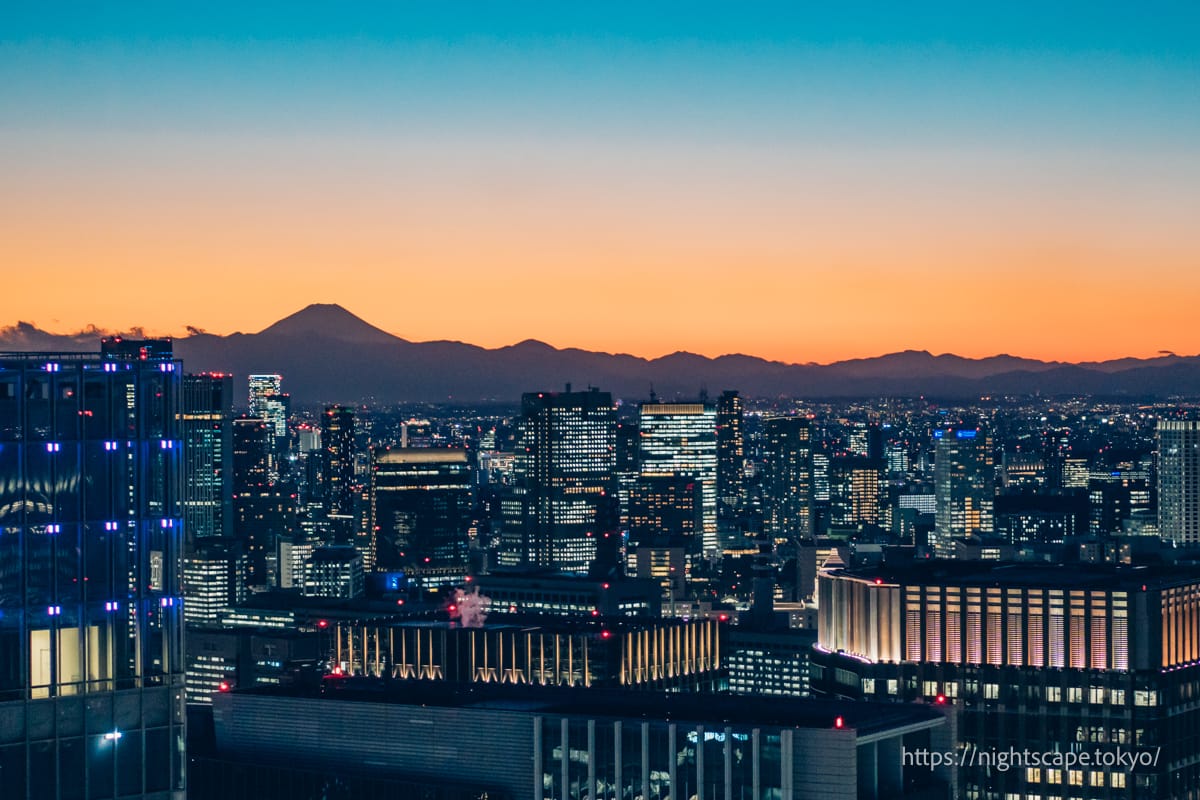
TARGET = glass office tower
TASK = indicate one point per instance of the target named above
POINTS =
(681, 439)
(91, 531)
(565, 467)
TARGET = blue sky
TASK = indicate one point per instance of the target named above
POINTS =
(830, 149)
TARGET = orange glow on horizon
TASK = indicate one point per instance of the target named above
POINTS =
(683, 260)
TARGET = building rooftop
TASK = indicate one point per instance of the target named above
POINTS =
(551, 623)
(863, 717)
(1001, 573)
(420, 455)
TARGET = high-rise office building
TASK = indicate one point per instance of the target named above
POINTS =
(91, 541)
(1179, 481)
(207, 430)
(334, 572)
(731, 453)
(626, 471)
(820, 477)
(666, 507)
(964, 485)
(263, 510)
(788, 483)
(337, 443)
(262, 387)
(252, 456)
(681, 439)
(421, 501)
(1114, 497)
(854, 489)
(269, 403)
(566, 459)
(214, 575)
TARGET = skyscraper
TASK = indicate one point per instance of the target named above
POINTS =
(91, 540)
(964, 485)
(788, 486)
(665, 507)
(420, 512)
(263, 510)
(214, 575)
(731, 451)
(1179, 481)
(262, 387)
(854, 483)
(681, 439)
(207, 430)
(566, 459)
(337, 443)
(269, 403)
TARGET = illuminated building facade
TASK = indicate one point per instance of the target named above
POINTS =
(213, 579)
(731, 453)
(663, 560)
(680, 439)
(241, 657)
(564, 471)
(854, 489)
(1041, 658)
(337, 443)
(420, 512)
(207, 430)
(1115, 497)
(261, 388)
(555, 594)
(590, 652)
(964, 487)
(91, 541)
(628, 437)
(334, 572)
(771, 662)
(788, 487)
(1179, 481)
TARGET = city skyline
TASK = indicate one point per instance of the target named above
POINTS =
(797, 184)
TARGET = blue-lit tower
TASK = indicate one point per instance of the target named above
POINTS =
(91, 538)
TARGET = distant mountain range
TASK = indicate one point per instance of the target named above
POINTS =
(326, 354)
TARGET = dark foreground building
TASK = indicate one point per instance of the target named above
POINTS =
(568, 744)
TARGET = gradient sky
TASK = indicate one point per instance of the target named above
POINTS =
(798, 181)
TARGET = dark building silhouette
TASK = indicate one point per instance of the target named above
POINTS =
(731, 453)
(665, 506)
(337, 475)
(421, 502)
(262, 510)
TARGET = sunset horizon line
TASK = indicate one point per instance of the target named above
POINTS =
(191, 330)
